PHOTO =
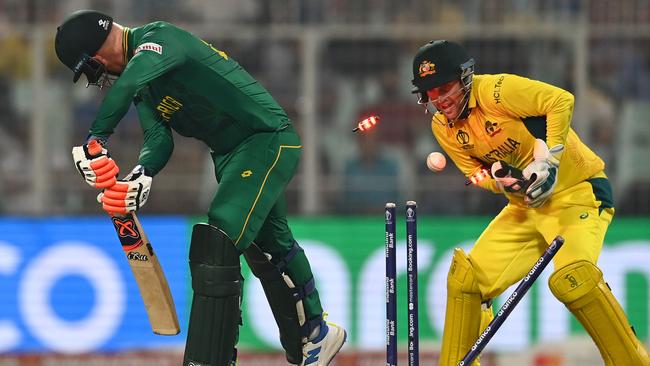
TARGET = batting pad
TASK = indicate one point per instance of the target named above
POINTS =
(581, 288)
(286, 307)
(463, 314)
(215, 314)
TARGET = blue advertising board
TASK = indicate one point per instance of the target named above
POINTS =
(66, 286)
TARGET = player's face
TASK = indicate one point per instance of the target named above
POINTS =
(113, 67)
(447, 98)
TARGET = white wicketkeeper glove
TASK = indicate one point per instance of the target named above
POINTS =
(95, 165)
(128, 194)
(509, 178)
(542, 173)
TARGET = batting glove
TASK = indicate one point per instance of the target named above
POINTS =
(542, 173)
(95, 165)
(509, 178)
(128, 194)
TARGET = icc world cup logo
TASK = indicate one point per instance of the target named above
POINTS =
(462, 137)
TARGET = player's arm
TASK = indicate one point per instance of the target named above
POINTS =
(144, 67)
(480, 176)
(158, 143)
(522, 97)
(526, 98)
(130, 193)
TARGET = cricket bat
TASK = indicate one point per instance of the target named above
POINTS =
(148, 274)
(146, 269)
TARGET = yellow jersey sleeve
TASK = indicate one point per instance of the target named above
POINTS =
(523, 97)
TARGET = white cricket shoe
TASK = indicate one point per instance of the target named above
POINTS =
(321, 350)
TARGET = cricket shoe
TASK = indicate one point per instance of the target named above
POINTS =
(321, 350)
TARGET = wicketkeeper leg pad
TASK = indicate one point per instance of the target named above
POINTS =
(463, 314)
(487, 314)
(284, 300)
(215, 314)
(580, 286)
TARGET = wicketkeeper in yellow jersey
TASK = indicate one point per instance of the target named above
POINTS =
(512, 135)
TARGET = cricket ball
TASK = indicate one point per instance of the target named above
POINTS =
(436, 162)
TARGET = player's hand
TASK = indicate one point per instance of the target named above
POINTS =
(542, 173)
(509, 178)
(128, 194)
(95, 165)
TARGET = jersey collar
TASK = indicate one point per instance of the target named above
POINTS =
(127, 44)
(472, 98)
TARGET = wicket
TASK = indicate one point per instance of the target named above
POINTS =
(412, 285)
(412, 290)
(512, 301)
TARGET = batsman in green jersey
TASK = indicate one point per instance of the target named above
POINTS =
(179, 82)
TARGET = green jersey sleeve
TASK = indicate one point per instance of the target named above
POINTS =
(158, 143)
(147, 64)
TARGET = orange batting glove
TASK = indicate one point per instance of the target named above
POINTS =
(95, 165)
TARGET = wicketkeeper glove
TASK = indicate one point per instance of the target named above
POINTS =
(509, 178)
(95, 165)
(128, 194)
(542, 173)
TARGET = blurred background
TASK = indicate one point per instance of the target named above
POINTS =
(329, 63)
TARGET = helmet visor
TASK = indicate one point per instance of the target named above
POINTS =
(90, 67)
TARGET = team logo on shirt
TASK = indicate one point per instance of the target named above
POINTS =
(168, 106)
(463, 139)
(149, 46)
(491, 128)
(427, 68)
(246, 173)
(502, 151)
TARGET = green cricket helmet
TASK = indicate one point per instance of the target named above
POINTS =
(79, 38)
